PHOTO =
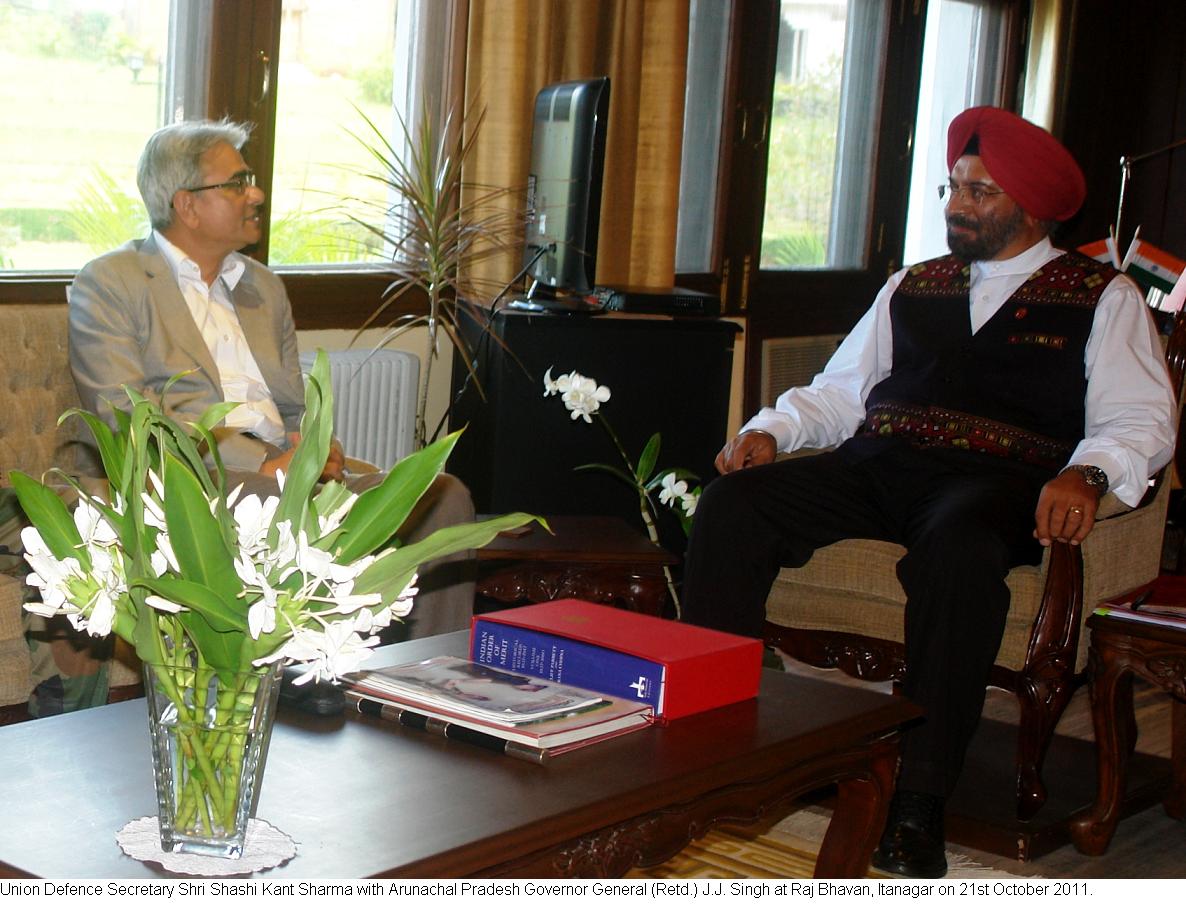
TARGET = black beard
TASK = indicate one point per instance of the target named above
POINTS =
(993, 235)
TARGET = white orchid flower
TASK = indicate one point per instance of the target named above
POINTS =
(164, 604)
(584, 397)
(690, 501)
(551, 387)
(163, 558)
(368, 621)
(332, 650)
(261, 615)
(253, 519)
(333, 520)
(154, 513)
(672, 489)
(49, 575)
(92, 526)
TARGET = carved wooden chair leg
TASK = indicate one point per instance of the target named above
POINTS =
(1048, 679)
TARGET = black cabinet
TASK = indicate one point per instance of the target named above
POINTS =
(666, 374)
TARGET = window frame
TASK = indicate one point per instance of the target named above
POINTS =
(248, 31)
(810, 301)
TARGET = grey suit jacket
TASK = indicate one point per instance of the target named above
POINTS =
(129, 324)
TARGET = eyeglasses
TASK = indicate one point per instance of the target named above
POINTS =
(237, 184)
(976, 191)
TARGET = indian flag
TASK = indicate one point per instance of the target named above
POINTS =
(1100, 250)
(1155, 268)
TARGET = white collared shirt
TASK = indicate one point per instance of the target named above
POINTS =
(214, 315)
(1129, 412)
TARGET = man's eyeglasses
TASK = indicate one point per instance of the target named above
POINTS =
(237, 184)
(976, 191)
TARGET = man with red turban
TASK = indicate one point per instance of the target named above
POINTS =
(979, 411)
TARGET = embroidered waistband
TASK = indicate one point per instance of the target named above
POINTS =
(934, 426)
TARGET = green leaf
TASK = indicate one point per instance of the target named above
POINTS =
(380, 511)
(646, 462)
(328, 499)
(213, 415)
(216, 627)
(389, 574)
(48, 514)
(196, 535)
(308, 461)
(111, 450)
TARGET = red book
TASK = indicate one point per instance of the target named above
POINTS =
(700, 668)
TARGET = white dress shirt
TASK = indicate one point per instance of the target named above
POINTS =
(1130, 415)
(215, 317)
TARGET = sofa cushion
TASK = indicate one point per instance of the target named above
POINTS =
(38, 388)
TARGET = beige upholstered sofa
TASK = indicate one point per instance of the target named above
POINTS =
(37, 389)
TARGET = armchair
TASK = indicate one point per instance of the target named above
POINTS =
(844, 609)
(38, 389)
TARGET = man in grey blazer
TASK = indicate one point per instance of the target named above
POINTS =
(185, 300)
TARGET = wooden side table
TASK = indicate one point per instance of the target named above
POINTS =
(594, 558)
(1120, 650)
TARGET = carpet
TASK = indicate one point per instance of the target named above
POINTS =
(785, 850)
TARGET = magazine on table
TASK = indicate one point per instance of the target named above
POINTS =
(1161, 602)
(465, 687)
(517, 714)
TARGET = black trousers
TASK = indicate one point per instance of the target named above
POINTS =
(965, 520)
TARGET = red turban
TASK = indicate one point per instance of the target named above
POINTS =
(1034, 169)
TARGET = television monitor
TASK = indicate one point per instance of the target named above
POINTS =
(564, 193)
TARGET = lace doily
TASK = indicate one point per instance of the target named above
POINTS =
(266, 847)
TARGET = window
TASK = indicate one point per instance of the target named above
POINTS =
(82, 83)
(112, 71)
(822, 121)
(828, 131)
(963, 65)
(336, 74)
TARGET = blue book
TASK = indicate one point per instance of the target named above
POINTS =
(568, 661)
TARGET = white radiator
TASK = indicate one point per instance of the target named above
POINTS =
(793, 362)
(374, 402)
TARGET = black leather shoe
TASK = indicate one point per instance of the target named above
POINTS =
(912, 843)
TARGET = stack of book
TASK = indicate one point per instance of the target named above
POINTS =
(1162, 602)
(678, 668)
(523, 716)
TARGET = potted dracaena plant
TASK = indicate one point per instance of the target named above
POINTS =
(436, 230)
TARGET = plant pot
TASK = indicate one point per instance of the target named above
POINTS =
(210, 735)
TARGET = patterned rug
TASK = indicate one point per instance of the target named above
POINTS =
(785, 850)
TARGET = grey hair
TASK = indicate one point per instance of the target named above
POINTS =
(172, 160)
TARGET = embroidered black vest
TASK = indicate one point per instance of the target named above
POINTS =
(1014, 389)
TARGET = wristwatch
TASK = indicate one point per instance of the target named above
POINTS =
(1092, 476)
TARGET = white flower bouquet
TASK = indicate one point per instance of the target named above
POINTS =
(213, 590)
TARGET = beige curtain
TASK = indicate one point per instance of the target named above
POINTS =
(516, 47)
(1046, 41)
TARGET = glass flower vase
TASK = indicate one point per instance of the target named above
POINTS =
(210, 734)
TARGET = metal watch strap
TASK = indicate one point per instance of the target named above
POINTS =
(1092, 475)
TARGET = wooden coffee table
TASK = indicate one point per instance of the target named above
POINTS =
(595, 558)
(364, 798)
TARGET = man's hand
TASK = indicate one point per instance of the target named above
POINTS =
(749, 449)
(335, 464)
(1066, 509)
